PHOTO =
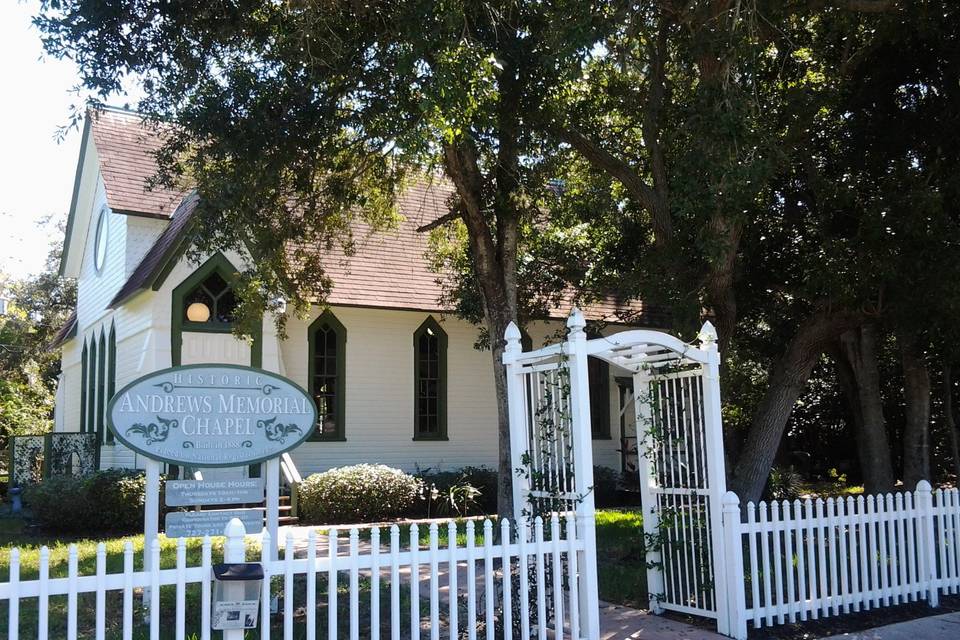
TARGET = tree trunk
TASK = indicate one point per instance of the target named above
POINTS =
(788, 377)
(950, 420)
(494, 265)
(858, 360)
(916, 396)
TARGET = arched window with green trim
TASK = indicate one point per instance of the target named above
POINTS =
(327, 345)
(112, 373)
(101, 387)
(206, 302)
(598, 376)
(430, 381)
(84, 359)
(92, 386)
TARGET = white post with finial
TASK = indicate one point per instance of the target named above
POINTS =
(151, 519)
(235, 552)
(724, 584)
(516, 412)
(583, 472)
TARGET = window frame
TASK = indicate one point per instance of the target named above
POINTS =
(92, 356)
(442, 344)
(217, 263)
(101, 239)
(84, 365)
(111, 378)
(328, 317)
(603, 410)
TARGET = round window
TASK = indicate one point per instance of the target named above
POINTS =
(100, 245)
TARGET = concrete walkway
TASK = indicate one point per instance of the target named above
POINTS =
(624, 623)
(942, 627)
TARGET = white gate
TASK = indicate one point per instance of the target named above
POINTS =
(680, 452)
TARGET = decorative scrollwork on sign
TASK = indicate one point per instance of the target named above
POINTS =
(275, 431)
(167, 387)
(269, 388)
(154, 432)
(247, 444)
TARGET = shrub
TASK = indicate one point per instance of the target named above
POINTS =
(466, 491)
(105, 501)
(58, 503)
(361, 493)
(784, 483)
(605, 482)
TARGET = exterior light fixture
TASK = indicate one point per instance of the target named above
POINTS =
(198, 312)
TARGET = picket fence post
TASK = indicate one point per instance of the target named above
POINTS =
(733, 557)
(235, 551)
(928, 543)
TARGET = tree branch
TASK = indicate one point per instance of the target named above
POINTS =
(625, 174)
(442, 220)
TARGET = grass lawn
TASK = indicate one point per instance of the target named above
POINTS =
(622, 573)
(621, 568)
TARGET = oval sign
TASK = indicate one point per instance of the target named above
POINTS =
(211, 415)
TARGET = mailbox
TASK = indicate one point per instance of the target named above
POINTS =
(236, 595)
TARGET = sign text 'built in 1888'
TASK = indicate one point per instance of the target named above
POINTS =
(212, 415)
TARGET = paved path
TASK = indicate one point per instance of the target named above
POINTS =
(945, 627)
(624, 623)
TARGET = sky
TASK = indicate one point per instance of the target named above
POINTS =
(36, 171)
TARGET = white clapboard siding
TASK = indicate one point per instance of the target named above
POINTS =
(438, 578)
(810, 559)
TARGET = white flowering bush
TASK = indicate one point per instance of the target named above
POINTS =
(361, 493)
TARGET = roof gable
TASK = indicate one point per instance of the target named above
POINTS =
(126, 146)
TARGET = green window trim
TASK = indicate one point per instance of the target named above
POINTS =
(83, 388)
(598, 372)
(101, 387)
(112, 377)
(218, 263)
(92, 387)
(328, 320)
(430, 327)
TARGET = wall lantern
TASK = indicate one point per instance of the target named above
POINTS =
(198, 312)
(236, 595)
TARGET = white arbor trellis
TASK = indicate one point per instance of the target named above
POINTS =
(682, 478)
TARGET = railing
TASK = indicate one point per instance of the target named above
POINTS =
(293, 479)
(511, 584)
(804, 560)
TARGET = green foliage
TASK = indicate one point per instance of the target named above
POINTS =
(25, 409)
(361, 493)
(39, 305)
(605, 484)
(784, 483)
(105, 501)
(467, 491)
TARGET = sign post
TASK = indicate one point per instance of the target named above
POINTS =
(273, 503)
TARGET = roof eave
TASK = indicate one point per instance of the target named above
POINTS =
(71, 216)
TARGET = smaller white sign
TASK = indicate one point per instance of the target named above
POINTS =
(235, 614)
(195, 524)
(184, 493)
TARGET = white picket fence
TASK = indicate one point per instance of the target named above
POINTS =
(804, 560)
(516, 583)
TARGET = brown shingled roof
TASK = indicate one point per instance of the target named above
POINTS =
(126, 146)
(389, 269)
